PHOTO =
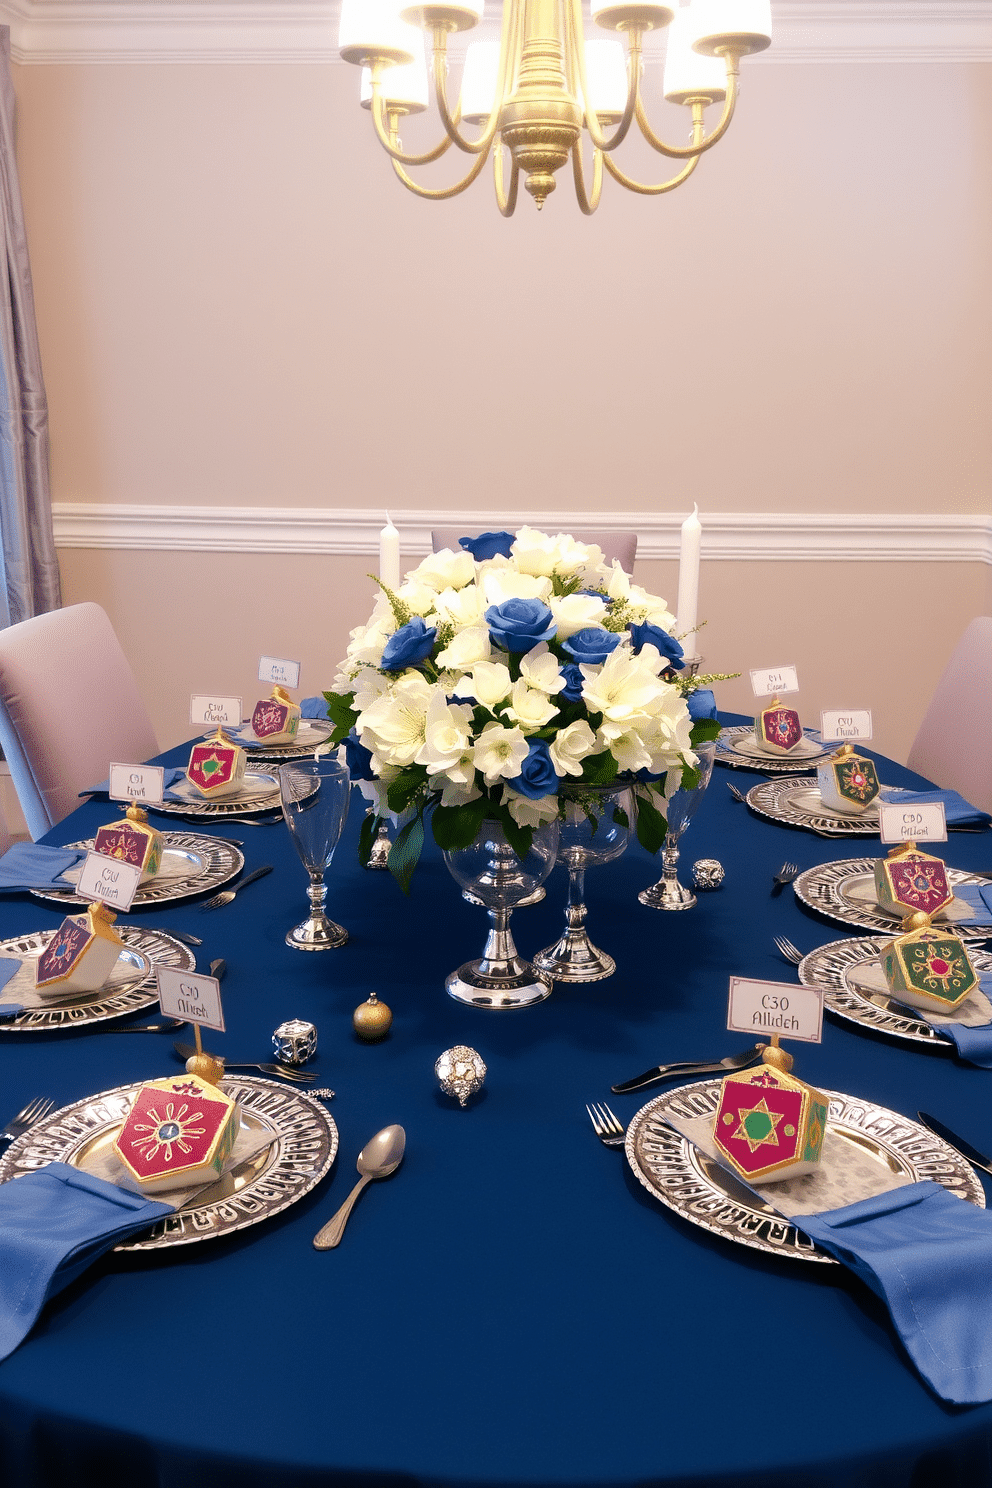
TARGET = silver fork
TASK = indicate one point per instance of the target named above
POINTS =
(607, 1126)
(788, 950)
(226, 895)
(785, 875)
(34, 1111)
(737, 795)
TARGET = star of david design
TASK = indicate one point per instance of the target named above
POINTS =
(210, 766)
(757, 1125)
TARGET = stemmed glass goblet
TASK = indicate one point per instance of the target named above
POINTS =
(315, 795)
(668, 893)
(595, 829)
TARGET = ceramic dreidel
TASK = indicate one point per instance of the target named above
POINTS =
(848, 782)
(777, 729)
(909, 880)
(928, 968)
(769, 1124)
(132, 840)
(216, 766)
(276, 719)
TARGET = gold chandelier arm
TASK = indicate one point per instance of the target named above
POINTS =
(386, 134)
(662, 186)
(505, 200)
(576, 39)
(509, 29)
(588, 202)
(682, 152)
(441, 193)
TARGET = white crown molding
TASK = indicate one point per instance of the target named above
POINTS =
(818, 537)
(304, 31)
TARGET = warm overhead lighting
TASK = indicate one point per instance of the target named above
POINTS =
(535, 91)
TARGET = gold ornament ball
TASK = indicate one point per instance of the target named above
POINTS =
(207, 1067)
(372, 1019)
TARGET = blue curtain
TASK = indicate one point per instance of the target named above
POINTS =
(30, 571)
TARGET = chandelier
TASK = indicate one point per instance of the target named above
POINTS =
(533, 93)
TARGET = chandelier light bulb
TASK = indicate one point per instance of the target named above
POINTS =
(371, 31)
(606, 74)
(404, 87)
(688, 74)
(739, 26)
(479, 76)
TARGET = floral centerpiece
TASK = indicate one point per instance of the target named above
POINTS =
(502, 678)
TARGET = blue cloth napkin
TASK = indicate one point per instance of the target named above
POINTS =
(314, 707)
(33, 865)
(978, 897)
(973, 1044)
(8, 968)
(53, 1224)
(928, 1255)
(169, 778)
(958, 811)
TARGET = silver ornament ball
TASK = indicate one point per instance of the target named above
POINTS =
(460, 1071)
(707, 873)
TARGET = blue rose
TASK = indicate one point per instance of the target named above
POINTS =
(591, 645)
(520, 624)
(701, 703)
(572, 691)
(358, 759)
(538, 776)
(408, 646)
(653, 635)
(488, 545)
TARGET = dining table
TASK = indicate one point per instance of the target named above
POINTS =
(512, 1306)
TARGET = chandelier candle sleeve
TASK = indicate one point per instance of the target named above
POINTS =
(688, 602)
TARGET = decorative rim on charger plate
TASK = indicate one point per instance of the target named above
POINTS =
(828, 967)
(823, 888)
(729, 752)
(215, 862)
(675, 1171)
(259, 792)
(797, 803)
(317, 730)
(145, 949)
(279, 1175)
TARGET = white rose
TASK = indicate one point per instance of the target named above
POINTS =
(537, 553)
(571, 746)
(445, 570)
(528, 813)
(489, 683)
(500, 752)
(418, 598)
(540, 668)
(447, 734)
(465, 649)
(369, 685)
(369, 641)
(575, 611)
(502, 584)
(460, 792)
(462, 607)
(530, 707)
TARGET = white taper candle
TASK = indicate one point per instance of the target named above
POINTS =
(389, 555)
(689, 580)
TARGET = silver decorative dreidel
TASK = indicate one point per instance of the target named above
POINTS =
(707, 873)
(460, 1071)
(381, 843)
(295, 1041)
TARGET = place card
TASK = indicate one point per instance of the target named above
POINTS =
(918, 823)
(776, 1007)
(137, 783)
(839, 726)
(208, 709)
(768, 680)
(272, 669)
(194, 998)
(107, 881)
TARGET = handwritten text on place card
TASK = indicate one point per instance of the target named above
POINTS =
(107, 881)
(920, 823)
(838, 725)
(196, 999)
(137, 783)
(208, 709)
(776, 1007)
(768, 680)
(272, 669)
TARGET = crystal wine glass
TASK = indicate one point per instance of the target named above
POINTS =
(491, 874)
(668, 893)
(315, 795)
(596, 829)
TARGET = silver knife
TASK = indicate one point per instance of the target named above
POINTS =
(978, 1159)
(706, 1067)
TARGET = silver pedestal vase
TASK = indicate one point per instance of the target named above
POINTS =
(491, 874)
(668, 893)
(596, 829)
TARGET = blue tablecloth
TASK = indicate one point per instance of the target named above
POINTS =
(512, 1308)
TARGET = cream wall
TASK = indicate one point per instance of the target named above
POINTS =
(239, 305)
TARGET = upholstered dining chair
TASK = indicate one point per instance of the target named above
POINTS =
(954, 744)
(621, 545)
(69, 705)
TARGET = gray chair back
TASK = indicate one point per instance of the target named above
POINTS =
(622, 545)
(953, 747)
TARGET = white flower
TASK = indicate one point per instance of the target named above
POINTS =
(622, 687)
(540, 668)
(489, 683)
(570, 747)
(536, 553)
(530, 707)
(458, 792)
(445, 570)
(466, 648)
(575, 611)
(447, 735)
(500, 752)
(528, 813)
(418, 598)
(369, 685)
(369, 641)
(462, 607)
(392, 727)
(502, 584)
(626, 745)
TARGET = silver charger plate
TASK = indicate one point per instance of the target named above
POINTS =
(259, 792)
(131, 984)
(311, 733)
(731, 750)
(842, 969)
(844, 891)
(675, 1171)
(305, 1147)
(191, 864)
(797, 803)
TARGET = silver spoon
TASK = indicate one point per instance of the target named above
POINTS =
(377, 1159)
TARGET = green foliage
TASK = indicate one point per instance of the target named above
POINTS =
(703, 730)
(691, 777)
(652, 828)
(401, 612)
(599, 769)
(404, 854)
(519, 838)
(402, 790)
(621, 818)
(341, 713)
(458, 826)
